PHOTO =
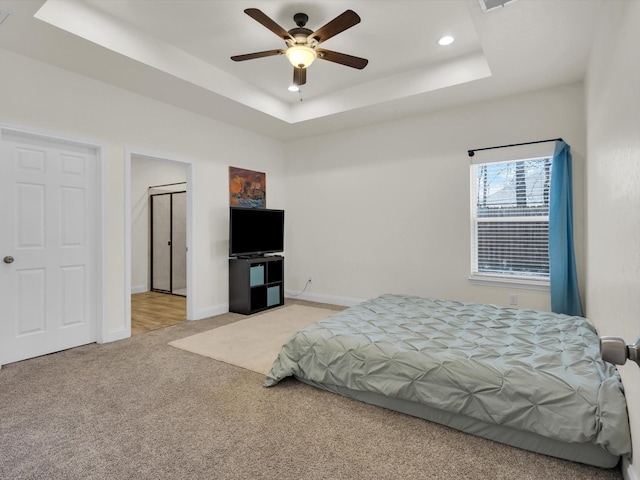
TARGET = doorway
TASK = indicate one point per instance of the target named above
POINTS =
(159, 257)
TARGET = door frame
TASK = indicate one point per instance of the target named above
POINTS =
(191, 251)
(101, 327)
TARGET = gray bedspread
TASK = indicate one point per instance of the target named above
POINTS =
(535, 371)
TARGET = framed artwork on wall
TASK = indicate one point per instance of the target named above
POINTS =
(247, 188)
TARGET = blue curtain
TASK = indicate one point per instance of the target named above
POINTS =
(565, 297)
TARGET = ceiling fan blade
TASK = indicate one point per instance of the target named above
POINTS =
(342, 58)
(339, 24)
(251, 56)
(299, 76)
(260, 17)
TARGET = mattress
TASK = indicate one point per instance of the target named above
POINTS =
(527, 378)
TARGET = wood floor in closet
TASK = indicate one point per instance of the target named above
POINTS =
(153, 310)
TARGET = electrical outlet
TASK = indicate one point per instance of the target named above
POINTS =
(513, 299)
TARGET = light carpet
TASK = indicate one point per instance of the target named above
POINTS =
(253, 343)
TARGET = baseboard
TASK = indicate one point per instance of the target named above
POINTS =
(139, 289)
(214, 310)
(114, 335)
(211, 311)
(628, 470)
(321, 298)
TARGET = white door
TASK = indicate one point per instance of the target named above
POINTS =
(48, 252)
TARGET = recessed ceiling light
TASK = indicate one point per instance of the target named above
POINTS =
(446, 40)
(294, 88)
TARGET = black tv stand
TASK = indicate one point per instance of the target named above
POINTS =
(255, 283)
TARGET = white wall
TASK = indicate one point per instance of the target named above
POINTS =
(386, 208)
(613, 183)
(147, 172)
(47, 99)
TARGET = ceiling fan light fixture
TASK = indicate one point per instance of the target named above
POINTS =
(294, 88)
(301, 56)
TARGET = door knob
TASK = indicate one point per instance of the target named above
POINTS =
(8, 259)
(615, 350)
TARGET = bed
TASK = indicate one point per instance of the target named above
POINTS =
(531, 379)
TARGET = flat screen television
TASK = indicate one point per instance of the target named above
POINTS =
(255, 231)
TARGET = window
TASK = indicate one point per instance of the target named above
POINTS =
(510, 221)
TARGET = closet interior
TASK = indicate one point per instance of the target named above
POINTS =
(168, 238)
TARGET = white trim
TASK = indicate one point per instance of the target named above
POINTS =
(49, 137)
(127, 243)
(322, 298)
(102, 333)
(119, 333)
(508, 281)
(101, 327)
(627, 470)
(191, 236)
(191, 241)
(139, 289)
(211, 311)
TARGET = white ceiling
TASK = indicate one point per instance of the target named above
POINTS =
(177, 51)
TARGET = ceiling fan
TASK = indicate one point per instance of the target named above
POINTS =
(302, 43)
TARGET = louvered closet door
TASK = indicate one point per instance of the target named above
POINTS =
(48, 193)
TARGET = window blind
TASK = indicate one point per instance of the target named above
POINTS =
(510, 214)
